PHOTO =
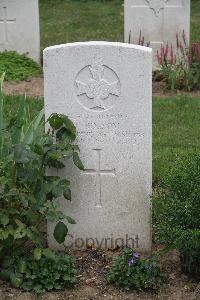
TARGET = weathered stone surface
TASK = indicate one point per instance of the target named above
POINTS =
(158, 21)
(19, 27)
(105, 88)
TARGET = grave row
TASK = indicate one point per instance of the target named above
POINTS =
(157, 21)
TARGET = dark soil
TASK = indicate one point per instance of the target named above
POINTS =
(91, 266)
(35, 87)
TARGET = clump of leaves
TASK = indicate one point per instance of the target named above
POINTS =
(130, 271)
(46, 270)
(176, 212)
(27, 194)
(17, 66)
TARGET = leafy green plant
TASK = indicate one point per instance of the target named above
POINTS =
(27, 194)
(176, 212)
(180, 70)
(46, 270)
(130, 271)
(17, 67)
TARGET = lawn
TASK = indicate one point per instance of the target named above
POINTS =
(175, 130)
(78, 20)
(81, 20)
(175, 127)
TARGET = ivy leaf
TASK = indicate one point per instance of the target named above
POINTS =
(77, 161)
(60, 232)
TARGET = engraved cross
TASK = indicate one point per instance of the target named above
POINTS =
(98, 172)
(5, 21)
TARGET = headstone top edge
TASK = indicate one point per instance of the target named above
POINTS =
(98, 43)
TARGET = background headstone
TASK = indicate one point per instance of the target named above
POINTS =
(19, 27)
(106, 90)
(158, 21)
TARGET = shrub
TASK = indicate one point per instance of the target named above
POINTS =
(176, 212)
(130, 271)
(180, 70)
(47, 270)
(17, 67)
(27, 194)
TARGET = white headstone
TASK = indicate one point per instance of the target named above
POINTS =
(106, 90)
(157, 20)
(19, 27)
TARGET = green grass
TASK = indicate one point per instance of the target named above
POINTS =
(11, 104)
(65, 21)
(175, 130)
(195, 20)
(175, 127)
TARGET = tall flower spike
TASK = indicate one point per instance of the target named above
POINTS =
(166, 50)
(172, 55)
(139, 42)
(177, 40)
(184, 37)
(158, 57)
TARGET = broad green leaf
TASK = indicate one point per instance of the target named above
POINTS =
(60, 232)
(70, 220)
(67, 194)
(4, 219)
(57, 191)
(77, 161)
(16, 279)
(21, 266)
(67, 153)
(21, 121)
(5, 274)
(64, 183)
(37, 149)
(70, 126)
(49, 254)
(1, 116)
(33, 127)
(27, 285)
(37, 254)
(55, 121)
(7, 262)
(63, 134)
(20, 153)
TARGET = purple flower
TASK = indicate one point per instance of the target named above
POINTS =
(136, 254)
(131, 262)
